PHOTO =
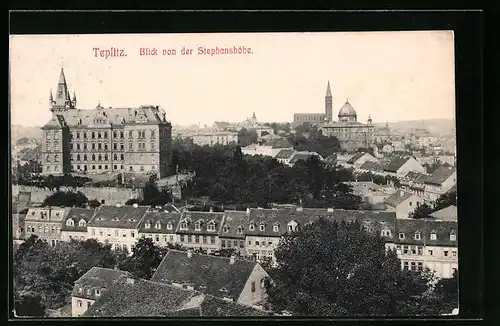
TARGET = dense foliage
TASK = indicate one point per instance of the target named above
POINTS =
(66, 199)
(247, 137)
(349, 273)
(378, 179)
(50, 182)
(145, 258)
(309, 138)
(231, 178)
(421, 211)
(445, 200)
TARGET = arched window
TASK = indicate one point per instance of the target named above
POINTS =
(70, 222)
(84, 157)
(158, 225)
(115, 157)
(78, 157)
(93, 157)
(99, 157)
(122, 157)
(56, 158)
(47, 158)
(82, 223)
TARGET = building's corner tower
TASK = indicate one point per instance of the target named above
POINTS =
(328, 103)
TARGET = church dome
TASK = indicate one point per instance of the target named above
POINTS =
(347, 110)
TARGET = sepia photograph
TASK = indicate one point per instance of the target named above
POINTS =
(297, 174)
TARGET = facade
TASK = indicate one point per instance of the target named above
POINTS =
(302, 156)
(45, 223)
(424, 243)
(232, 279)
(104, 140)
(160, 227)
(232, 235)
(284, 156)
(358, 159)
(117, 225)
(212, 138)
(200, 230)
(74, 226)
(403, 203)
(253, 124)
(92, 285)
(439, 182)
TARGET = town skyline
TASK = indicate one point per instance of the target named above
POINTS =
(411, 77)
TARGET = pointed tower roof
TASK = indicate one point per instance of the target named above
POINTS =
(51, 98)
(63, 98)
(328, 91)
(62, 78)
(253, 116)
(74, 96)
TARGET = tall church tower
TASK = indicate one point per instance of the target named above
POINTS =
(328, 103)
(62, 100)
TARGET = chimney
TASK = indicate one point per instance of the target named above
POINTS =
(190, 253)
(211, 209)
(118, 205)
(401, 193)
(329, 210)
(135, 205)
(130, 280)
(248, 211)
(232, 259)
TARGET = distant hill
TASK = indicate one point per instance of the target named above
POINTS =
(435, 126)
(19, 132)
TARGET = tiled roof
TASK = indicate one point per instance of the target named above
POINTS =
(415, 176)
(443, 230)
(49, 214)
(396, 163)
(166, 221)
(331, 159)
(440, 175)
(77, 214)
(284, 154)
(446, 214)
(127, 217)
(233, 220)
(204, 218)
(143, 298)
(216, 307)
(222, 124)
(208, 274)
(98, 278)
(302, 156)
(371, 166)
(355, 157)
(398, 197)
(114, 116)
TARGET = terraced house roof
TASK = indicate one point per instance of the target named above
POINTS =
(208, 274)
(444, 230)
(371, 166)
(126, 217)
(159, 222)
(77, 214)
(100, 279)
(205, 223)
(356, 157)
(440, 175)
(398, 197)
(396, 163)
(446, 214)
(285, 154)
(234, 225)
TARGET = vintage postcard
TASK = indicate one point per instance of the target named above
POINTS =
(234, 174)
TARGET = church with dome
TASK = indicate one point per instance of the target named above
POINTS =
(350, 133)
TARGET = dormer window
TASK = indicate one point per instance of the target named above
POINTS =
(417, 235)
(158, 225)
(88, 292)
(290, 228)
(197, 226)
(82, 223)
(262, 227)
(433, 236)
(211, 226)
(131, 220)
(453, 236)
(97, 292)
(115, 219)
(183, 225)
(147, 225)
(169, 226)
(239, 230)
(276, 228)
(251, 227)
(70, 222)
(225, 229)
(401, 235)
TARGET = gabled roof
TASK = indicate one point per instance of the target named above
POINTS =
(222, 124)
(77, 214)
(233, 220)
(446, 214)
(415, 176)
(285, 154)
(356, 157)
(443, 229)
(440, 175)
(371, 166)
(396, 163)
(98, 278)
(331, 159)
(126, 217)
(302, 156)
(208, 274)
(398, 197)
(205, 217)
(164, 218)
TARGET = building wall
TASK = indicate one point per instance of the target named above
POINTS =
(161, 239)
(79, 306)
(249, 297)
(351, 136)
(233, 243)
(196, 241)
(215, 138)
(110, 195)
(433, 192)
(75, 235)
(52, 151)
(117, 237)
(261, 247)
(406, 207)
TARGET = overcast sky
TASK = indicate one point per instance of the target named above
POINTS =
(391, 76)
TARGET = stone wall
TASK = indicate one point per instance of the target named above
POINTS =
(110, 195)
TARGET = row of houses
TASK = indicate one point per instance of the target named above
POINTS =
(253, 233)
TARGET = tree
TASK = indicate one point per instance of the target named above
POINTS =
(349, 273)
(133, 201)
(163, 197)
(66, 199)
(445, 200)
(247, 137)
(446, 291)
(146, 257)
(150, 192)
(421, 211)
(94, 203)
(29, 305)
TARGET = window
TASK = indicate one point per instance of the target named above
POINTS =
(84, 134)
(401, 235)
(93, 231)
(445, 253)
(84, 157)
(454, 253)
(99, 135)
(453, 237)
(205, 240)
(100, 233)
(211, 227)
(262, 227)
(413, 266)
(116, 233)
(257, 243)
(196, 239)
(405, 250)
(114, 134)
(97, 292)
(153, 146)
(253, 286)
(99, 157)
(420, 250)
(433, 236)
(225, 229)
(251, 227)
(158, 225)
(242, 243)
(191, 238)
(212, 239)
(93, 135)
(99, 146)
(197, 226)
(121, 134)
(141, 168)
(79, 303)
(239, 230)
(430, 252)
(45, 229)
(171, 238)
(122, 157)
(88, 304)
(276, 228)
(130, 146)
(410, 204)
(417, 235)
(115, 157)
(78, 135)
(153, 135)
(132, 234)
(105, 134)
(157, 238)
(115, 167)
(169, 226)
(420, 266)
(70, 222)
(105, 157)
(147, 225)
(122, 147)
(186, 238)
(130, 134)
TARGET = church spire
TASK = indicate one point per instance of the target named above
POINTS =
(328, 91)
(51, 98)
(62, 98)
